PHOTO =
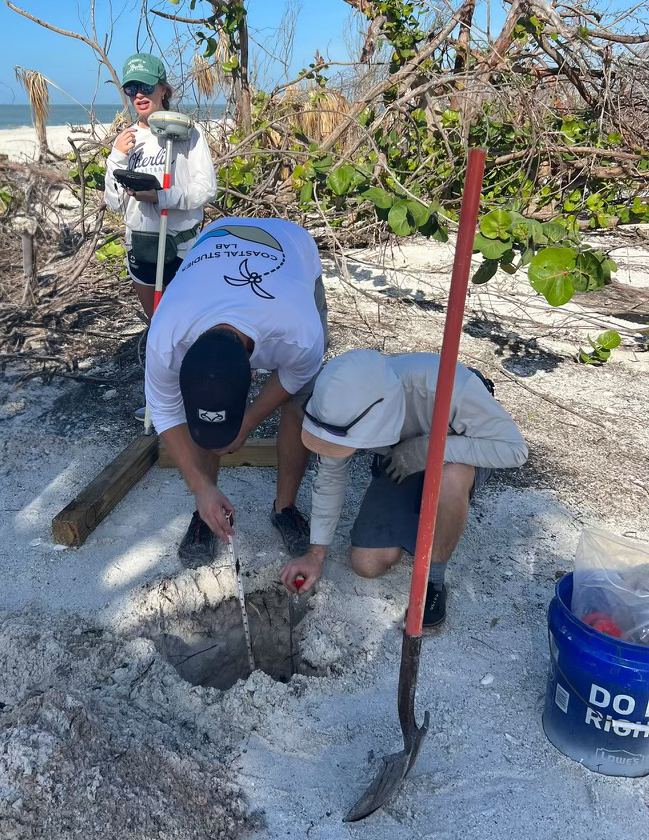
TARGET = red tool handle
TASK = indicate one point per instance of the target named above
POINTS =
(299, 582)
(444, 392)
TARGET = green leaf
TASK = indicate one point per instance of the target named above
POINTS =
(398, 219)
(551, 272)
(418, 212)
(323, 165)
(588, 275)
(491, 249)
(210, 47)
(495, 225)
(485, 272)
(365, 116)
(554, 231)
(5, 199)
(379, 198)
(340, 180)
(525, 229)
(110, 251)
(306, 193)
(508, 267)
(608, 266)
(609, 340)
(440, 234)
(526, 256)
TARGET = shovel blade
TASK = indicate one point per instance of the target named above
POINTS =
(395, 769)
(397, 766)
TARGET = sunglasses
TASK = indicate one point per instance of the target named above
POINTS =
(339, 431)
(133, 88)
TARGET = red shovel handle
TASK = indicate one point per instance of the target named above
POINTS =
(444, 392)
(299, 582)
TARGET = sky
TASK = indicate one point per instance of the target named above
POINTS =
(73, 66)
(322, 24)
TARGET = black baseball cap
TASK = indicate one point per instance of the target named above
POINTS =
(214, 382)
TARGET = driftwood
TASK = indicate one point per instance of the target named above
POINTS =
(32, 169)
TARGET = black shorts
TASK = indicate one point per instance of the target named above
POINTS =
(144, 272)
(389, 514)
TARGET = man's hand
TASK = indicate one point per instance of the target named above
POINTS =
(214, 508)
(406, 458)
(125, 141)
(144, 195)
(309, 567)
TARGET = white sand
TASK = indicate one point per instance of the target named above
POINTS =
(20, 143)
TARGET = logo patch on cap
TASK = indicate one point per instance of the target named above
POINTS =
(211, 416)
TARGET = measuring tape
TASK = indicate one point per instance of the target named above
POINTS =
(236, 568)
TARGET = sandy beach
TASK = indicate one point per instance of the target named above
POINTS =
(20, 144)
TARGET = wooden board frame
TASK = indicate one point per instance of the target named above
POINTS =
(72, 525)
(256, 452)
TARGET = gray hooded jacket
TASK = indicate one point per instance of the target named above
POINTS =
(481, 433)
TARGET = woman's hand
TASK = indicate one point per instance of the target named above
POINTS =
(125, 141)
(144, 195)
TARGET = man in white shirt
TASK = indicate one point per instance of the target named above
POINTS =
(364, 400)
(249, 295)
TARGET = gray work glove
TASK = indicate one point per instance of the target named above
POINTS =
(406, 458)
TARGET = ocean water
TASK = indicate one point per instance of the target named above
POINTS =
(16, 116)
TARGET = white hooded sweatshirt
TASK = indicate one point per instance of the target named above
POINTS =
(193, 183)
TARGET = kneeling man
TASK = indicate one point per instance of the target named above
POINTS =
(366, 400)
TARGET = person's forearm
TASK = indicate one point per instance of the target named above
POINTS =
(195, 464)
(271, 396)
(317, 552)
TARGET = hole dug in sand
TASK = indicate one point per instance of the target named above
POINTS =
(208, 647)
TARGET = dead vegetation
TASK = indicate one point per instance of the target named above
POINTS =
(559, 95)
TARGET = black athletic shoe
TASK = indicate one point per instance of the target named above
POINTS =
(434, 607)
(197, 545)
(294, 528)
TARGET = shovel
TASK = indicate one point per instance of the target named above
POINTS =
(397, 766)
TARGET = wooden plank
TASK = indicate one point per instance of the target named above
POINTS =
(256, 452)
(73, 524)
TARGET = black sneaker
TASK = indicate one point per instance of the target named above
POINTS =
(197, 545)
(294, 528)
(434, 607)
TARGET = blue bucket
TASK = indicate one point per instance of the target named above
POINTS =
(597, 700)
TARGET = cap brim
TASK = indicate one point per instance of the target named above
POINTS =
(324, 447)
(146, 78)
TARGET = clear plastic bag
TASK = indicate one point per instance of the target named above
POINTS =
(611, 585)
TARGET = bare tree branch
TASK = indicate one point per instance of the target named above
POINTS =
(94, 45)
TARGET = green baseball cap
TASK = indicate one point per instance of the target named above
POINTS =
(143, 67)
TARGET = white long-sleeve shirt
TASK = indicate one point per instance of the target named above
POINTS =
(193, 183)
(480, 433)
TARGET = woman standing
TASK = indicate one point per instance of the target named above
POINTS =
(144, 80)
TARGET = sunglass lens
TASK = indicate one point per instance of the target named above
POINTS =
(138, 87)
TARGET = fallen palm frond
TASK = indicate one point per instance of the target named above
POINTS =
(35, 86)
